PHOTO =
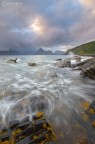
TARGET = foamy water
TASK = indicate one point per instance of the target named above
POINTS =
(25, 90)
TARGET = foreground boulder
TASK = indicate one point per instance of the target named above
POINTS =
(63, 64)
(88, 69)
(12, 61)
(37, 131)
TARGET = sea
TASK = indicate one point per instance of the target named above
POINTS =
(58, 92)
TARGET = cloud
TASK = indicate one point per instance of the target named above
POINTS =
(88, 3)
(33, 23)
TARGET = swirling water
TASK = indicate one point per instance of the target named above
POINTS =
(24, 90)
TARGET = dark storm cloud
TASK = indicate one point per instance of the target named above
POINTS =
(55, 22)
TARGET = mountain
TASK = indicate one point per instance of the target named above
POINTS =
(43, 52)
(84, 49)
(31, 52)
(59, 52)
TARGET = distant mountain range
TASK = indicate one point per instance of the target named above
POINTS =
(84, 49)
(36, 52)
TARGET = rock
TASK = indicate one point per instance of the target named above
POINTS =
(88, 69)
(14, 124)
(12, 61)
(77, 58)
(30, 132)
(25, 133)
(77, 68)
(32, 64)
(63, 64)
(4, 138)
(81, 63)
(92, 106)
(85, 141)
(25, 119)
(59, 59)
(24, 125)
(35, 117)
(53, 75)
(91, 113)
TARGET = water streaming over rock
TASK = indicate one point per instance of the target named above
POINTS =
(57, 92)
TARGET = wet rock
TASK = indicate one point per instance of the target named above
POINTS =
(28, 132)
(39, 104)
(53, 75)
(12, 61)
(77, 58)
(91, 113)
(85, 141)
(81, 63)
(36, 117)
(63, 64)
(59, 59)
(32, 64)
(25, 133)
(4, 138)
(77, 68)
(25, 119)
(92, 106)
(88, 69)
(14, 124)
(23, 125)
(42, 138)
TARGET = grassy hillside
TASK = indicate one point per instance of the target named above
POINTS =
(84, 49)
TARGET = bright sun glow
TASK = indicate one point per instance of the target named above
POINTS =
(37, 27)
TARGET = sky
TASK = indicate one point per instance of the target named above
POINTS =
(49, 24)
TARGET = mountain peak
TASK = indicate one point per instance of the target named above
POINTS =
(41, 51)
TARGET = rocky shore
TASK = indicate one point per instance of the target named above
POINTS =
(87, 67)
(54, 87)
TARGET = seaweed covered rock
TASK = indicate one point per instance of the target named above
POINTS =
(90, 111)
(37, 131)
